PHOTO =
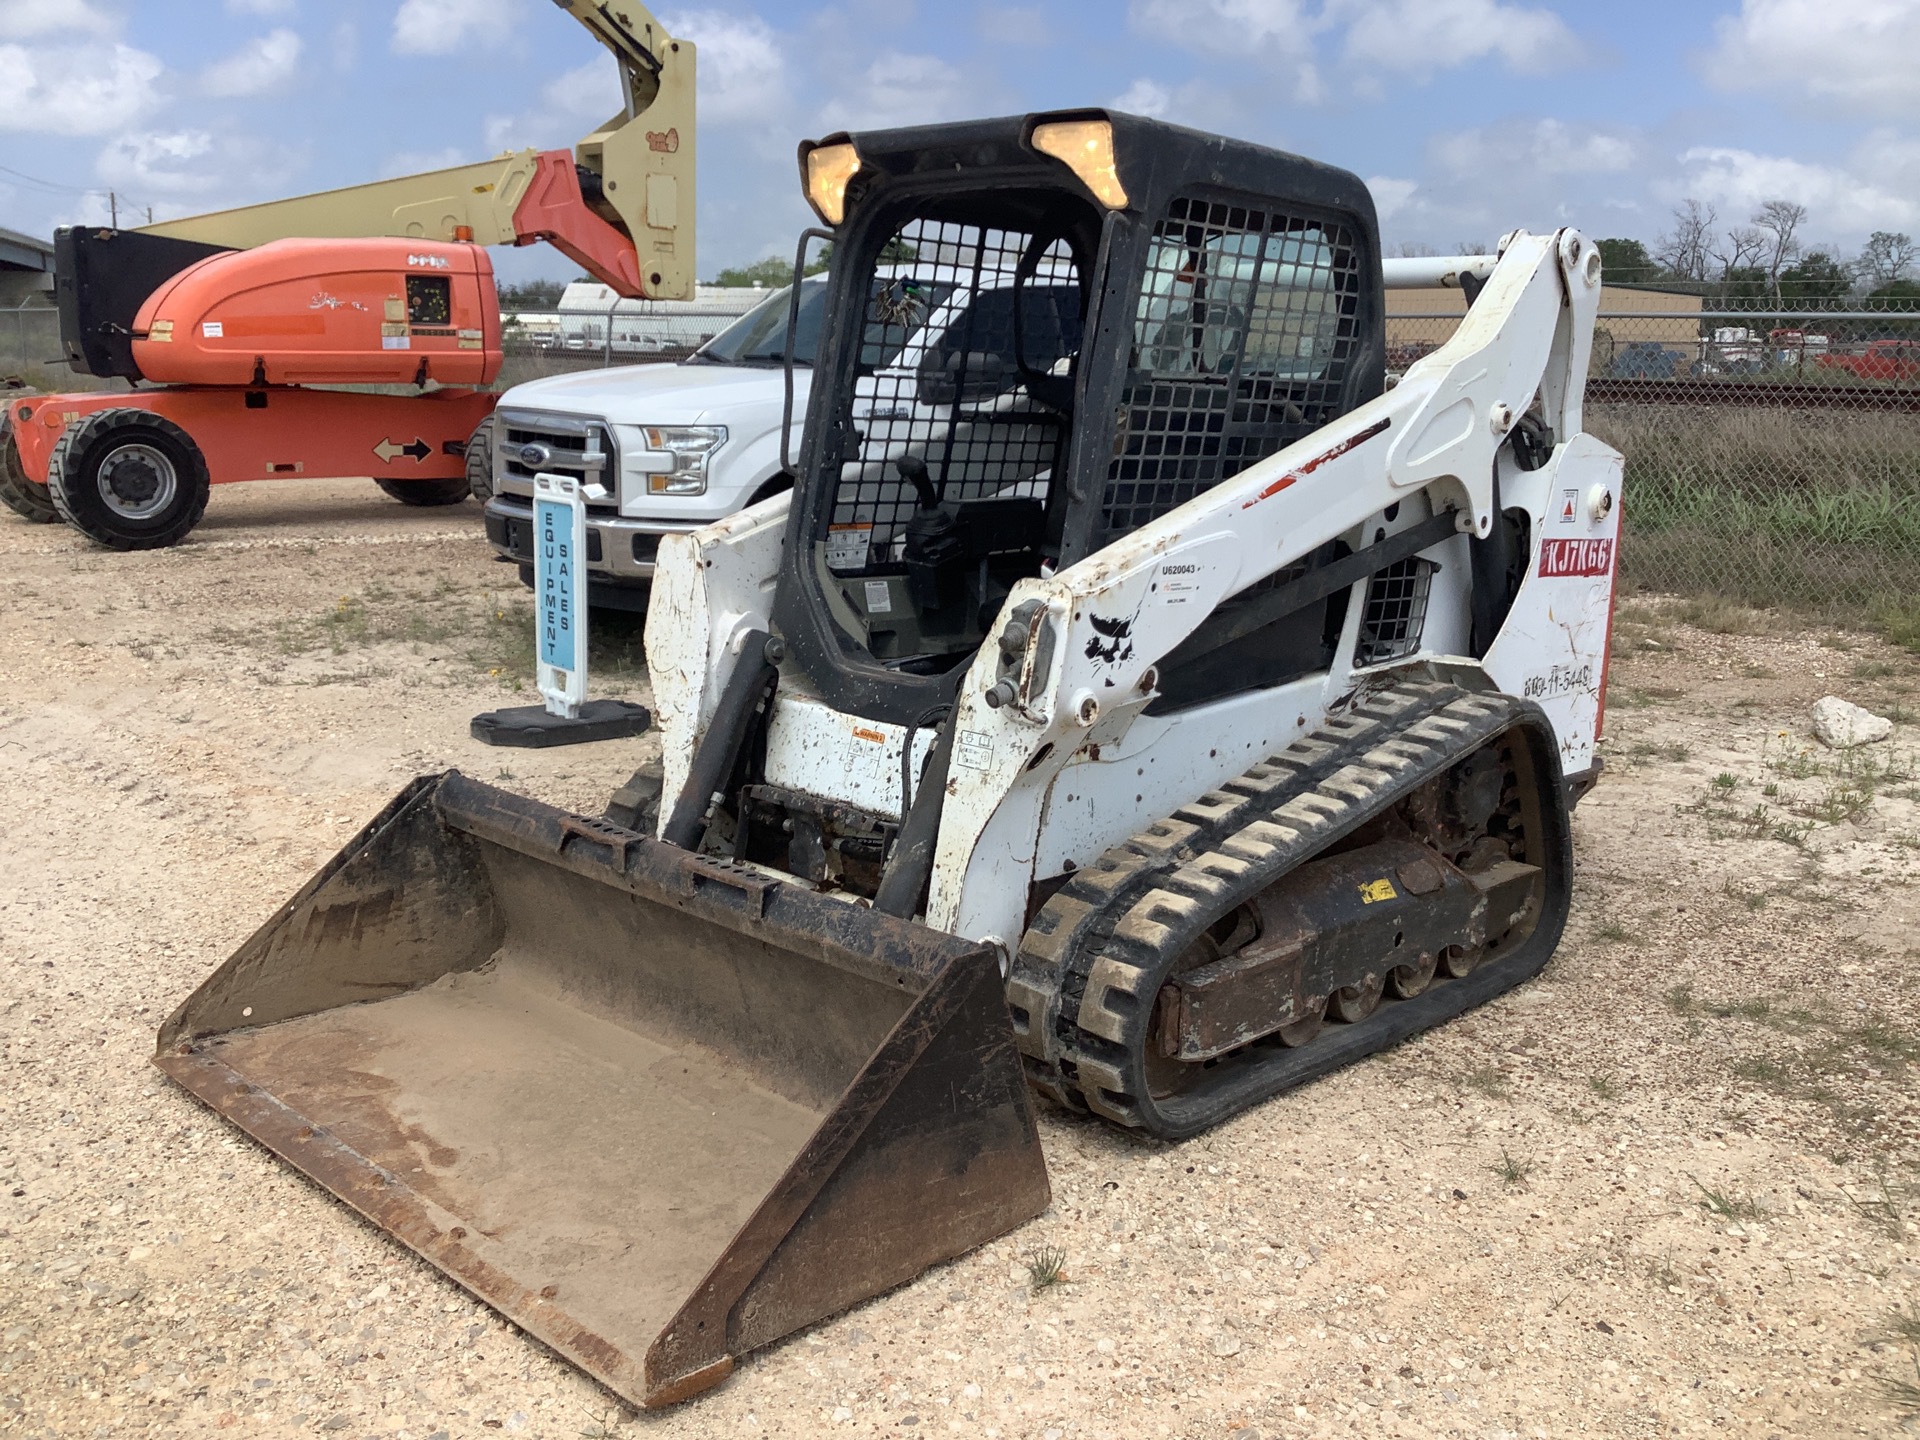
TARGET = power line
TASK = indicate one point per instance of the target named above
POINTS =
(53, 186)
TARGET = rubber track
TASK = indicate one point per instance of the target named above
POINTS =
(1081, 989)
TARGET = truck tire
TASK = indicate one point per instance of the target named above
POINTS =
(451, 491)
(480, 461)
(129, 480)
(19, 494)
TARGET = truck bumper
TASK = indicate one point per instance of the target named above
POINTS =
(620, 552)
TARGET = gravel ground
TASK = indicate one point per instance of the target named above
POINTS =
(1667, 1189)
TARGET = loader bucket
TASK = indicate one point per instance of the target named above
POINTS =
(655, 1108)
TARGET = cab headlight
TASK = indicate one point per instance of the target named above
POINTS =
(688, 448)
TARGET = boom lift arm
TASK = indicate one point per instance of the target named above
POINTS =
(620, 204)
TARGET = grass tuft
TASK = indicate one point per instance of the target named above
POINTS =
(1512, 1171)
(1727, 1207)
(1488, 1080)
(1044, 1268)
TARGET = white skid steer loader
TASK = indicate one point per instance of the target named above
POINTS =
(1134, 699)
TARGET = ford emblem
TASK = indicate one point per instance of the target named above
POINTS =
(535, 456)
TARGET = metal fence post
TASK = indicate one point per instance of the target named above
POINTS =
(1773, 451)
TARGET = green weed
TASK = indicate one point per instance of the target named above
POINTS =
(1044, 1268)
(1725, 1206)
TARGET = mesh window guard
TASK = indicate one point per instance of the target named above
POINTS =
(948, 355)
(1396, 612)
(1244, 335)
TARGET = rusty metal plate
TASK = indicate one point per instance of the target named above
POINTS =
(657, 1113)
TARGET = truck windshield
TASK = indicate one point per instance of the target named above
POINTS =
(898, 307)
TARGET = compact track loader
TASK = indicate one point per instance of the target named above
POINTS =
(1158, 729)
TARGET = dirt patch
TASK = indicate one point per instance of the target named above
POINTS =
(1670, 1188)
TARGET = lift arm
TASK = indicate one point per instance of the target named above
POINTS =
(620, 204)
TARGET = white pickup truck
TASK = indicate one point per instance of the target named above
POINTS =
(678, 446)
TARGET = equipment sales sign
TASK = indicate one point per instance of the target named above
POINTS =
(559, 582)
(1575, 557)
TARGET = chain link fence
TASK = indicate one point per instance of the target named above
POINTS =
(30, 344)
(1773, 457)
(1773, 453)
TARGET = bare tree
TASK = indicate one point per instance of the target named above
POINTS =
(1413, 249)
(1738, 248)
(1688, 249)
(1888, 257)
(1780, 222)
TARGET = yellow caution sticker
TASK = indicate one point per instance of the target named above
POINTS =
(1375, 891)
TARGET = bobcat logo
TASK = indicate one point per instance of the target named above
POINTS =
(1111, 641)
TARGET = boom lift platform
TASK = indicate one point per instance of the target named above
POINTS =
(233, 326)
(1156, 730)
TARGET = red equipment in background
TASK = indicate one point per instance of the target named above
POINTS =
(232, 341)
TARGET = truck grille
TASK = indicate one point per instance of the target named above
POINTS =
(530, 444)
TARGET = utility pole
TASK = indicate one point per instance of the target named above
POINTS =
(113, 208)
(149, 215)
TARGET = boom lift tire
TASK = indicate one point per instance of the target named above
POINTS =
(29, 501)
(129, 480)
(427, 492)
(480, 461)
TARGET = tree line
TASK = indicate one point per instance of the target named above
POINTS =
(1767, 259)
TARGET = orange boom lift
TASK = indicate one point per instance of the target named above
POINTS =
(232, 331)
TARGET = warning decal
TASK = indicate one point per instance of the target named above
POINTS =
(847, 546)
(1575, 557)
(1374, 891)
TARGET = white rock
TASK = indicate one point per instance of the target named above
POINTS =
(1842, 724)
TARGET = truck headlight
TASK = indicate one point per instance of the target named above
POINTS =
(689, 446)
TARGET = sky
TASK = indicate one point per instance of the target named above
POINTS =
(1466, 117)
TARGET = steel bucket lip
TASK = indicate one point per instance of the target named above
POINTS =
(951, 1010)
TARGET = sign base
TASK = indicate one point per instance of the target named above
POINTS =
(533, 727)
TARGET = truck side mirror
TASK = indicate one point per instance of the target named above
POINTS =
(964, 378)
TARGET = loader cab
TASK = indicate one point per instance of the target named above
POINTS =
(1136, 312)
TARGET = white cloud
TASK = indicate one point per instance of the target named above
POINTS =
(1840, 199)
(1228, 27)
(80, 90)
(440, 27)
(1548, 147)
(187, 171)
(1405, 37)
(1859, 55)
(153, 162)
(1278, 35)
(899, 89)
(262, 64)
(1417, 37)
(21, 19)
(569, 105)
(1390, 195)
(742, 65)
(1145, 97)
